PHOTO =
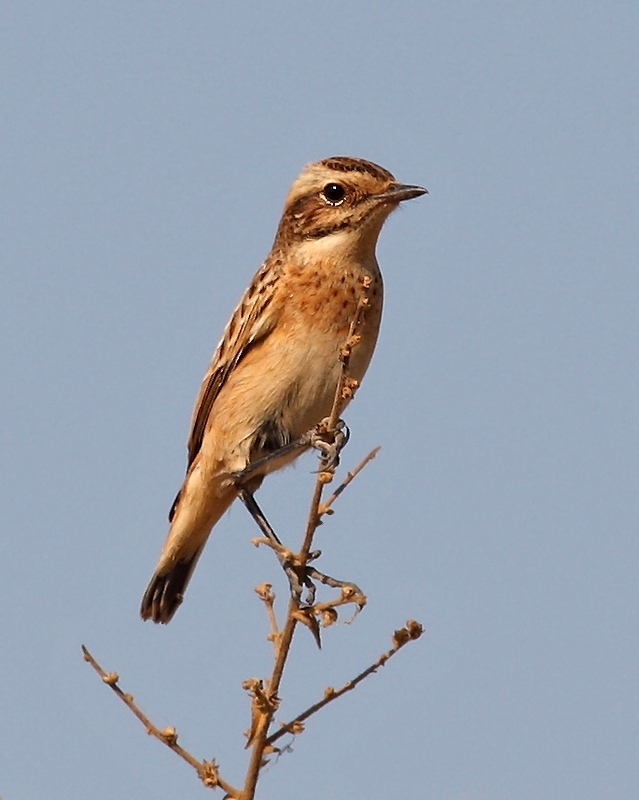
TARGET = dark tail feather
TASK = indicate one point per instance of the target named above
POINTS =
(165, 592)
(174, 506)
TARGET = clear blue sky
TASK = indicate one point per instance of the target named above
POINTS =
(147, 149)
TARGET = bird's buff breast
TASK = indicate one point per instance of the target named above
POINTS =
(289, 379)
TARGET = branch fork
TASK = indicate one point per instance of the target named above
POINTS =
(329, 437)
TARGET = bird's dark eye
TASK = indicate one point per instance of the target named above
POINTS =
(334, 193)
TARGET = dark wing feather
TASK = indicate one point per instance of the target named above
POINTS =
(252, 321)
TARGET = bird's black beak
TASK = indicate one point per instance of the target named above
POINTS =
(401, 191)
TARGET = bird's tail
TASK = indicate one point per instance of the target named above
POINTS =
(165, 591)
(190, 528)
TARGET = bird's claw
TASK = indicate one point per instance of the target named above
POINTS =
(330, 443)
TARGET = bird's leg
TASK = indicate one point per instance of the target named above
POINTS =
(298, 577)
(348, 588)
(256, 467)
(329, 443)
(258, 515)
(284, 556)
(352, 588)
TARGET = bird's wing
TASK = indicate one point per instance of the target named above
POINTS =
(253, 320)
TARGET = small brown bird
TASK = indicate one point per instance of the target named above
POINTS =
(274, 373)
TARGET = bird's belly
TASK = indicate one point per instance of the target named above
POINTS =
(285, 384)
(281, 389)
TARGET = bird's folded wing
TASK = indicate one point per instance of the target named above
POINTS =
(252, 321)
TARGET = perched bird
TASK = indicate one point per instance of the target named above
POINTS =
(274, 373)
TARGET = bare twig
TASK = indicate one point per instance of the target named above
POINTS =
(344, 390)
(207, 770)
(330, 436)
(347, 597)
(325, 508)
(347, 386)
(412, 631)
(265, 592)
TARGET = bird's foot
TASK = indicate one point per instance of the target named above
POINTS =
(302, 576)
(329, 442)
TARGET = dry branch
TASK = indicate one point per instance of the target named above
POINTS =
(330, 436)
(412, 631)
(259, 728)
(207, 770)
(326, 508)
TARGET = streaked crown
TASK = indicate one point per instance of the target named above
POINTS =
(339, 193)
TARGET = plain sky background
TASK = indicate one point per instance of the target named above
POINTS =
(147, 148)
